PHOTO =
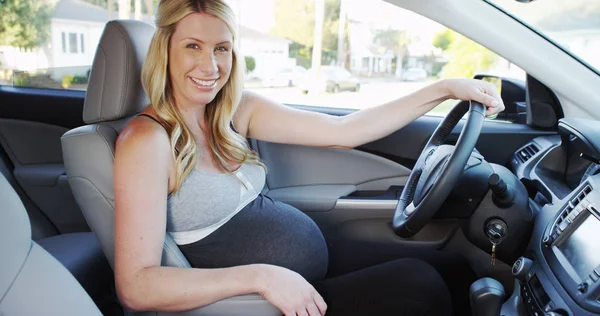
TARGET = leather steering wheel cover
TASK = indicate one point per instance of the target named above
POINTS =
(408, 225)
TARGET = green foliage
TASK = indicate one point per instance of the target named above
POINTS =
(466, 58)
(25, 23)
(79, 80)
(443, 39)
(21, 79)
(67, 80)
(295, 20)
(250, 63)
(437, 67)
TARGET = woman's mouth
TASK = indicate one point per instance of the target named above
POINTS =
(206, 84)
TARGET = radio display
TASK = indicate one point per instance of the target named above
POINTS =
(581, 247)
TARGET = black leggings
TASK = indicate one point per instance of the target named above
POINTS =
(362, 279)
(346, 256)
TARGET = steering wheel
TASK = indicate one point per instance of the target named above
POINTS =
(437, 170)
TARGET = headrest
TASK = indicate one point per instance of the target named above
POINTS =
(115, 88)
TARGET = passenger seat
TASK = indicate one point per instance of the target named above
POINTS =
(79, 252)
(32, 282)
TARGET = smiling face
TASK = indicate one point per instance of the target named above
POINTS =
(200, 59)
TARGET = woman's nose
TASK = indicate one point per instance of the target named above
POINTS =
(207, 64)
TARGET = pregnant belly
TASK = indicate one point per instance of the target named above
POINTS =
(265, 231)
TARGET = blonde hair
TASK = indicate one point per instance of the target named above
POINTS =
(223, 143)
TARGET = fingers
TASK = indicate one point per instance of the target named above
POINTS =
(315, 305)
(320, 304)
(492, 100)
(303, 312)
(313, 310)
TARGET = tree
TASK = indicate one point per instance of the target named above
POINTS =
(465, 56)
(396, 41)
(295, 20)
(250, 63)
(25, 23)
(443, 39)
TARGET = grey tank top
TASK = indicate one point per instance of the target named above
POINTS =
(206, 201)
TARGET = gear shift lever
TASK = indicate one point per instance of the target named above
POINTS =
(486, 297)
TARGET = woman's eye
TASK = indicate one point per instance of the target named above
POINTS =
(193, 46)
(222, 49)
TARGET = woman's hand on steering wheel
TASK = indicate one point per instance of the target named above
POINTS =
(290, 292)
(476, 90)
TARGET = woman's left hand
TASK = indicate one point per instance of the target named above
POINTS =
(476, 90)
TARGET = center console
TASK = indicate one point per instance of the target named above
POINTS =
(559, 273)
(572, 249)
(563, 276)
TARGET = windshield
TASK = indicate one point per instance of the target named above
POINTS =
(574, 25)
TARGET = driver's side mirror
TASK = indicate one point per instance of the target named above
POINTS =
(513, 93)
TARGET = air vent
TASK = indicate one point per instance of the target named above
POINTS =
(573, 203)
(527, 152)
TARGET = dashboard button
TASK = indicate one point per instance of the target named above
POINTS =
(548, 240)
(582, 287)
(562, 226)
(549, 307)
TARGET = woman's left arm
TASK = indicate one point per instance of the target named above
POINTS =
(270, 121)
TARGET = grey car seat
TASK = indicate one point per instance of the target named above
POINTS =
(113, 97)
(32, 282)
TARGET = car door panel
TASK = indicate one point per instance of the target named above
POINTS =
(326, 183)
(291, 165)
(29, 142)
(313, 179)
(32, 122)
(47, 185)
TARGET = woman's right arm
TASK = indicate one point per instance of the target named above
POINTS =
(143, 164)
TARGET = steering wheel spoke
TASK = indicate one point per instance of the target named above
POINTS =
(437, 169)
(410, 209)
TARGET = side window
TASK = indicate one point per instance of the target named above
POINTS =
(388, 52)
(58, 48)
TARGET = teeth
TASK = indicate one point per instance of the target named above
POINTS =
(204, 83)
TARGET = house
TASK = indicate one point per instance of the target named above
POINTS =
(75, 29)
(369, 61)
(270, 53)
(366, 58)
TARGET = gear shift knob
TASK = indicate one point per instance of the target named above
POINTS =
(486, 296)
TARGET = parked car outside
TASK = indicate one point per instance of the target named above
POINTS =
(414, 74)
(287, 77)
(329, 79)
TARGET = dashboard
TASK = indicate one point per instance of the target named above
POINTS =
(562, 177)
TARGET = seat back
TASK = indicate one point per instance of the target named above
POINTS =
(32, 282)
(114, 96)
